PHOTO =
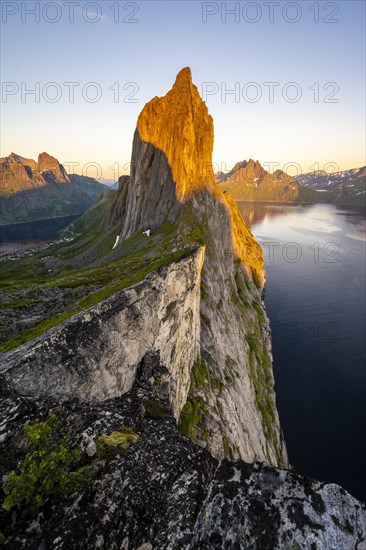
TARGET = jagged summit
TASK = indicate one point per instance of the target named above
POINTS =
(172, 162)
(18, 173)
(171, 156)
(14, 158)
(180, 126)
(184, 77)
(48, 163)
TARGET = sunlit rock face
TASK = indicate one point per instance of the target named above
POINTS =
(18, 173)
(179, 125)
(47, 164)
(171, 156)
(172, 161)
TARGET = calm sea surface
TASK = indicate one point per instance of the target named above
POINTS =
(315, 296)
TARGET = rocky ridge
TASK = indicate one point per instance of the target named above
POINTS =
(249, 181)
(94, 355)
(323, 180)
(32, 190)
(19, 173)
(230, 402)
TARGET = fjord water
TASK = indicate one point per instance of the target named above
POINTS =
(315, 297)
(21, 236)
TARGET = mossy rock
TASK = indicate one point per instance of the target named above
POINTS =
(109, 446)
(252, 340)
(46, 471)
(191, 417)
(199, 376)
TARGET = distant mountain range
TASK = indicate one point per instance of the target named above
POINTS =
(347, 187)
(39, 190)
(31, 190)
(249, 181)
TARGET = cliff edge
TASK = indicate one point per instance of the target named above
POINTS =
(231, 403)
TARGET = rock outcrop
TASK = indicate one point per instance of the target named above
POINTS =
(179, 125)
(260, 507)
(94, 355)
(32, 190)
(171, 156)
(164, 492)
(117, 210)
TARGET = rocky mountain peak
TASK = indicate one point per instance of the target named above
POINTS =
(172, 163)
(184, 78)
(47, 163)
(172, 185)
(14, 158)
(36, 190)
(180, 126)
(171, 157)
(248, 180)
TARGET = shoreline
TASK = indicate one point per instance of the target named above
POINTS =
(22, 253)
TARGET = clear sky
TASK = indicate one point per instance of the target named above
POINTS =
(133, 51)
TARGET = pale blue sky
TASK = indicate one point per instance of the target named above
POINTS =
(149, 52)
